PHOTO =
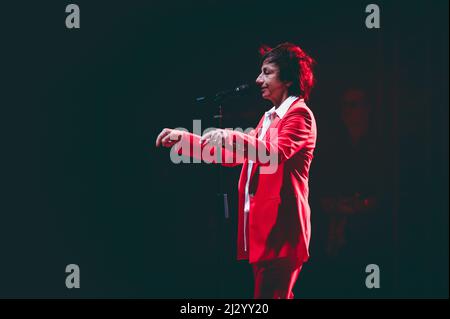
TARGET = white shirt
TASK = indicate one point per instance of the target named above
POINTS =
(269, 116)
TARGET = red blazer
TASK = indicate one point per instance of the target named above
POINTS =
(279, 217)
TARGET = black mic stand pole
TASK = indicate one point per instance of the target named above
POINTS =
(223, 197)
(224, 257)
(222, 208)
(218, 98)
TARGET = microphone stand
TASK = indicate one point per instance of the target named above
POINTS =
(223, 258)
(222, 208)
(218, 99)
(223, 197)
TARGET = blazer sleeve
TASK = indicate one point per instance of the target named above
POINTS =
(292, 134)
(189, 146)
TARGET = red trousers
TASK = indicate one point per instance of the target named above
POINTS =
(274, 279)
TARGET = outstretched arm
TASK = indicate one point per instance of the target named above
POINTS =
(189, 145)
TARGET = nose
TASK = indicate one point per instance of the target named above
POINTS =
(259, 80)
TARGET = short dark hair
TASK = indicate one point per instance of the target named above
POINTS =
(295, 66)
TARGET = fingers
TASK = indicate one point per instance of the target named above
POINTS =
(215, 138)
(168, 138)
(205, 138)
(158, 138)
(218, 139)
(161, 135)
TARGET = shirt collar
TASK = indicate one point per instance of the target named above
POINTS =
(283, 108)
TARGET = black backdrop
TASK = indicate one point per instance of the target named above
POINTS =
(84, 184)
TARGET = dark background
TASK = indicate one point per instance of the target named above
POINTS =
(83, 183)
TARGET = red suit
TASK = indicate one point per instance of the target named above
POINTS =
(279, 216)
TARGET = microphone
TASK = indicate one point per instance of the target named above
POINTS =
(238, 91)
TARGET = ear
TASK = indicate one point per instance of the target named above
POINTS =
(288, 84)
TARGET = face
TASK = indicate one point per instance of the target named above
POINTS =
(272, 88)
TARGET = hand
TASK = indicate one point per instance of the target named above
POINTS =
(216, 137)
(168, 137)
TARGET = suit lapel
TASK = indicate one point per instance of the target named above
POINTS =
(257, 132)
(258, 129)
(272, 126)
